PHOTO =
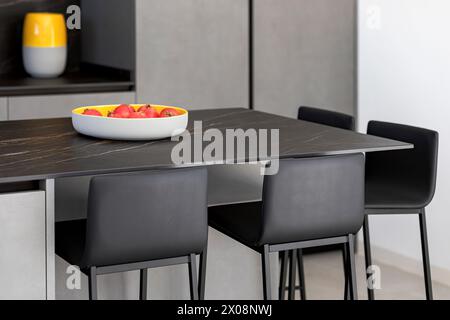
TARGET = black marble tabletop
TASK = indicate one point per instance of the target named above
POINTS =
(50, 148)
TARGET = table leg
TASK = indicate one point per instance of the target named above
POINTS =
(49, 187)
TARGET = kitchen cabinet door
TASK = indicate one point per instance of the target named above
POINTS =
(58, 106)
(22, 246)
(192, 53)
(3, 109)
(304, 55)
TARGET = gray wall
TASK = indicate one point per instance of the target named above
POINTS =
(192, 53)
(304, 55)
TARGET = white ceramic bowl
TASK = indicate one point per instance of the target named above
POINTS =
(128, 129)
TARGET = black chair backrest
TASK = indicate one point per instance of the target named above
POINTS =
(146, 216)
(329, 118)
(313, 198)
(415, 168)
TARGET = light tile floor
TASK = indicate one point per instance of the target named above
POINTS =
(324, 280)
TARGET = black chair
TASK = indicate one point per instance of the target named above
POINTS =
(328, 118)
(299, 209)
(137, 222)
(332, 119)
(401, 182)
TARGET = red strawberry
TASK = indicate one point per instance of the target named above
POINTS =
(169, 112)
(114, 115)
(123, 110)
(149, 111)
(92, 112)
(137, 115)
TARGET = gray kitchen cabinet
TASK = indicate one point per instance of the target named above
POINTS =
(192, 53)
(23, 246)
(304, 54)
(3, 109)
(57, 106)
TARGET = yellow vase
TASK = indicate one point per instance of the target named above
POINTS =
(44, 44)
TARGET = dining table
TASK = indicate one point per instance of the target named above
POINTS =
(43, 161)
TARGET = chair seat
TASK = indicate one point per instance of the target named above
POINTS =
(241, 221)
(382, 195)
(69, 240)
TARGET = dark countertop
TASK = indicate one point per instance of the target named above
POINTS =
(50, 148)
(87, 79)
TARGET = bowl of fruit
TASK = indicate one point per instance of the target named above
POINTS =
(130, 121)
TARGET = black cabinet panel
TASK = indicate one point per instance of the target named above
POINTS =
(12, 14)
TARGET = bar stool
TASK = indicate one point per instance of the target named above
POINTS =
(299, 209)
(137, 222)
(332, 119)
(328, 118)
(401, 182)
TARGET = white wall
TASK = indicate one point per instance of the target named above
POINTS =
(404, 76)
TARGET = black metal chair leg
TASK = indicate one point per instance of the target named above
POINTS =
(283, 272)
(368, 255)
(193, 283)
(425, 256)
(301, 274)
(345, 268)
(292, 273)
(352, 267)
(202, 272)
(92, 279)
(143, 284)
(266, 273)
